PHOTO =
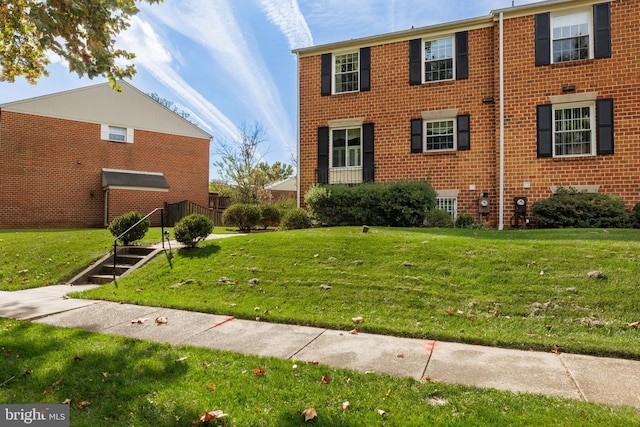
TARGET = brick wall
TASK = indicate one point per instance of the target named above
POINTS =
(51, 172)
(392, 103)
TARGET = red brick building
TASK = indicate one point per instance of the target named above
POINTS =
(82, 157)
(510, 105)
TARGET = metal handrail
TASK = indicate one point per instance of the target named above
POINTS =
(115, 241)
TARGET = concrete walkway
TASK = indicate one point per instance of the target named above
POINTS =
(594, 379)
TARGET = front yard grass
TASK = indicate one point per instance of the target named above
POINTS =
(525, 289)
(116, 381)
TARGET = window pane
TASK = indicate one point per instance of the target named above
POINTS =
(346, 148)
(117, 134)
(438, 57)
(439, 135)
(346, 72)
(571, 37)
(572, 131)
(354, 147)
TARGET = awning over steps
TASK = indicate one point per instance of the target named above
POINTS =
(115, 179)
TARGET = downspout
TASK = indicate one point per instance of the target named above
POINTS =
(501, 191)
(298, 128)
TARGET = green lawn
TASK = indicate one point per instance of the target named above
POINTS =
(116, 381)
(520, 289)
(524, 289)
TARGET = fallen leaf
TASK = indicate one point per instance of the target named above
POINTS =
(345, 406)
(381, 412)
(57, 382)
(206, 365)
(358, 319)
(180, 360)
(46, 391)
(83, 404)
(399, 355)
(387, 393)
(208, 416)
(633, 324)
(314, 362)
(23, 271)
(211, 387)
(162, 320)
(326, 379)
(67, 401)
(27, 372)
(139, 320)
(353, 332)
(259, 371)
(309, 414)
(450, 312)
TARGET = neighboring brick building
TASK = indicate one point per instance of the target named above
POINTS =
(512, 104)
(82, 157)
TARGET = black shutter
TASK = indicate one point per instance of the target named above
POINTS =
(462, 55)
(544, 126)
(326, 74)
(602, 27)
(323, 155)
(368, 167)
(604, 125)
(365, 69)
(416, 135)
(415, 62)
(464, 132)
(543, 38)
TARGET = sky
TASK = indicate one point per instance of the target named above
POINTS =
(229, 62)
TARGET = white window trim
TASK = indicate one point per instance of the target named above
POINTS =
(104, 133)
(439, 119)
(333, 71)
(592, 125)
(452, 195)
(453, 57)
(591, 31)
(351, 168)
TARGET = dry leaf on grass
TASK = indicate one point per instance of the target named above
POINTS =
(208, 416)
(309, 414)
(83, 404)
(180, 360)
(358, 319)
(259, 371)
(345, 406)
(326, 379)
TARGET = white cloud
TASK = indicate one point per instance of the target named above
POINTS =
(287, 16)
(213, 26)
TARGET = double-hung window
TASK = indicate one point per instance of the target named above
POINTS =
(346, 72)
(438, 59)
(346, 148)
(571, 37)
(117, 134)
(574, 130)
(439, 135)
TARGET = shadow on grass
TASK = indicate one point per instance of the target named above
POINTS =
(199, 252)
(118, 378)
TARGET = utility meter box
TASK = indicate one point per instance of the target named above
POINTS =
(520, 204)
(484, 207)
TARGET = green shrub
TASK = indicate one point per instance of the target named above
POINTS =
(398, 204)
(438, 218)
(192, 228)
(295, 219)
(269, 216)
(122, 223)
(465, 221)
(570, 208)
(636, 215)
(242, 215)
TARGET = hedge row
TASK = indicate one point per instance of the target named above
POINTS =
(398, 204)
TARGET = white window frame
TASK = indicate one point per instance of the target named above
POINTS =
(334, 73)
(592, 127)
(426, 136)
(346, 148)
(556, 16)
(453, 58)
(107, 135)
(448, 204)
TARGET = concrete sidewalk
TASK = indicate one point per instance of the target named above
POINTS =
(594, 379)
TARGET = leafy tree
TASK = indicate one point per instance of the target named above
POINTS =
(81, 31)
(241, 167)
